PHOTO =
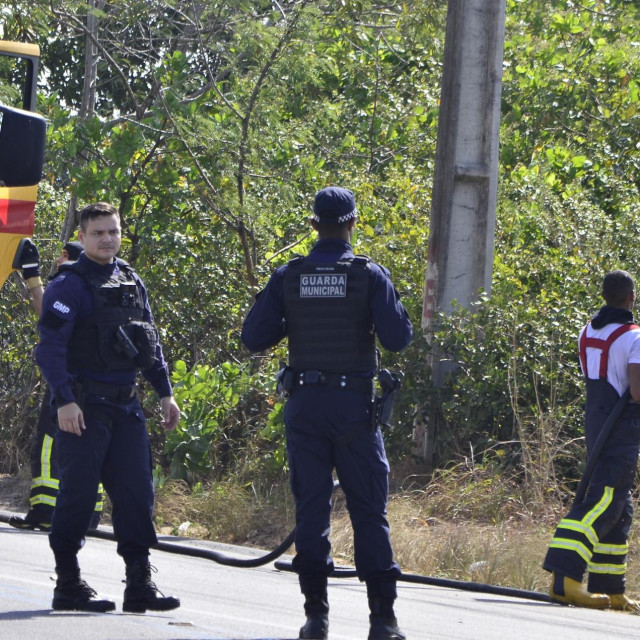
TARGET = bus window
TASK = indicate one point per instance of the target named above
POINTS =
(18, 74)
(13, 73)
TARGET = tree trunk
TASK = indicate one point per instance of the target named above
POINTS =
(87, 106)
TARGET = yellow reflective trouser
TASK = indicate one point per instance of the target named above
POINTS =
(44, 483)
(581, 543)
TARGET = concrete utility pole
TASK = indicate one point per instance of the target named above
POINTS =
(460, 256)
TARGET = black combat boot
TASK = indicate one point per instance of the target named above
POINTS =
(141, 592)
(316, 608)
(382, 619)
(71, 593)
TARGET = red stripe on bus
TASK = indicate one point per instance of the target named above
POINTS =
(16, 216)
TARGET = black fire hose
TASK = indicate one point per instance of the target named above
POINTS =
(209, 554)
(461, 585)
(593, 457)
(220, 558)
(223, 559)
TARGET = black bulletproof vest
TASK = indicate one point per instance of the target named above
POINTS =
(328, 315)
(117, 301)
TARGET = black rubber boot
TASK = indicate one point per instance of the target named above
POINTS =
(316, 608)
(38, 518)
(382, 619)
(71, 593)
(141, 592)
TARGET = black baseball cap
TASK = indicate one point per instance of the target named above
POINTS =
(334, 205)
(73, 249)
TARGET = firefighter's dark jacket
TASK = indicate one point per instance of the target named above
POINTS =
(267, 322)
(69, 318)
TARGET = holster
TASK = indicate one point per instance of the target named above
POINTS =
(382, 413)
(284, 381)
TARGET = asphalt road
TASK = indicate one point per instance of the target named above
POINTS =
(223, 603)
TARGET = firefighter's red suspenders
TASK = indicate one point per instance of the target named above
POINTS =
(603, 345)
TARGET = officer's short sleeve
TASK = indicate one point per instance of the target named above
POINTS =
(634, 350)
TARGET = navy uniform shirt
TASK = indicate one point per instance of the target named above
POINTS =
(265, 324)
(66, 299)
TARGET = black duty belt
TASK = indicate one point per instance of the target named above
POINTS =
(117, 392)
(332, 380)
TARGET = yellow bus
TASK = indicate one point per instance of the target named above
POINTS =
(22, 141)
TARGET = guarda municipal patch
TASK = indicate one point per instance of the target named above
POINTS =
(324, 285)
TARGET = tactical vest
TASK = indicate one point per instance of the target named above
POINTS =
(118, 304)
(328, 315)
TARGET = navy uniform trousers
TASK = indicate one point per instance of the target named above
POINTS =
(326, 429)
(114, 449)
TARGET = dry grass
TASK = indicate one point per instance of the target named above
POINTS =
(506, 553)
(466, 524)
(227, 512)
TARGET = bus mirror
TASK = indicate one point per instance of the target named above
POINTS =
(22, 140)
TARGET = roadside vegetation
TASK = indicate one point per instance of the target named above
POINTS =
(212, 132)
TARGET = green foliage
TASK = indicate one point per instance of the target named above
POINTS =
(19, 391)
(517, 350)
(568, 187)
(205, 439)
(215, 124)
(274, 432)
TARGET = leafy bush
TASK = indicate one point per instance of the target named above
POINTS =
(515, 378)
(207, 437)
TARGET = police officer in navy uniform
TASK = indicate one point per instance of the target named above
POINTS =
(43, 462)
(594, 536)
(331, 305)
(96, 333)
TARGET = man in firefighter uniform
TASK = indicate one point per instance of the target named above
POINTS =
(29, 261)
(331, 305)
(44, 467)
(594, 535)
(96, 333)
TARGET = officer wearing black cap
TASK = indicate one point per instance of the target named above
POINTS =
(44, 466)
(70, 252)
(331, 305)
